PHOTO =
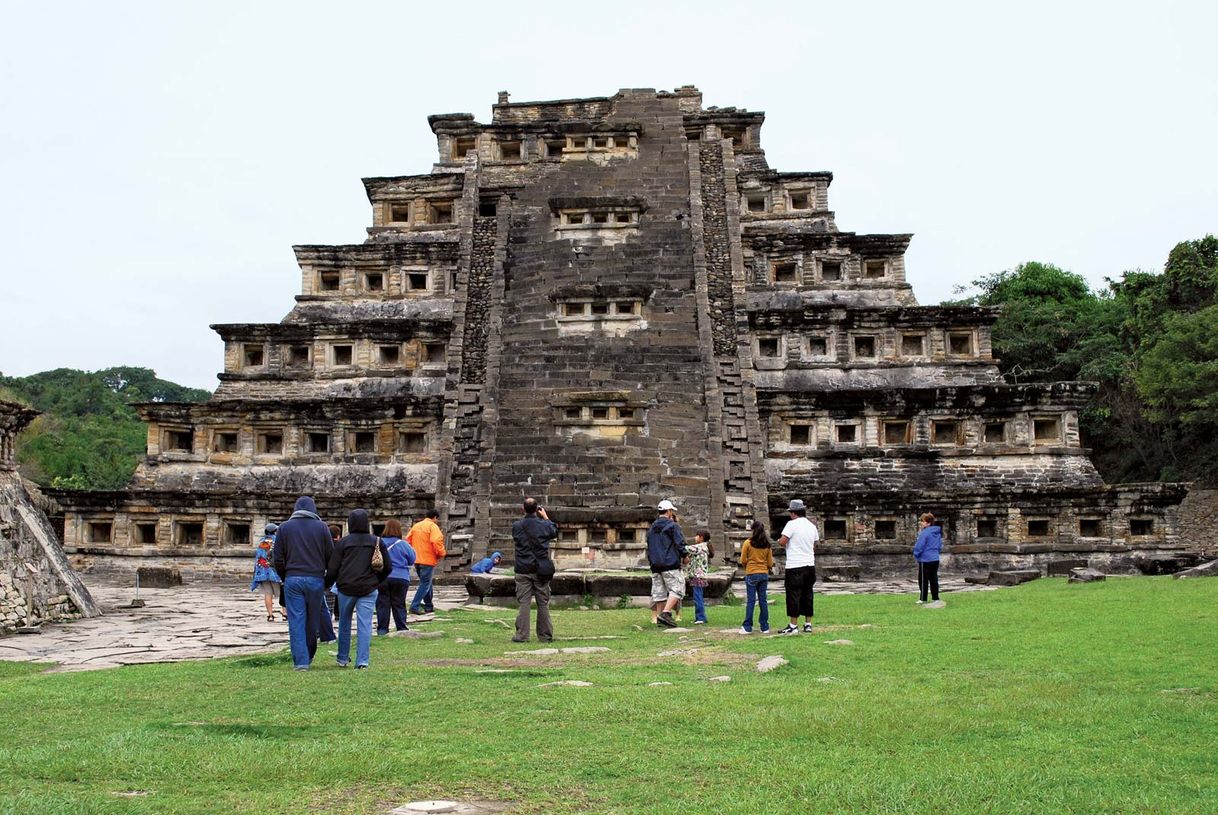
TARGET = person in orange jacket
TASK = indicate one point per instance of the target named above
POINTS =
(427, 541)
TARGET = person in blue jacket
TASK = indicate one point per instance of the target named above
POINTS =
(391, 596)
(926, 552)
(485, 565)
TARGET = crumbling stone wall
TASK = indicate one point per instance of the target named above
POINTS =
(36, 583)
(1199, 521)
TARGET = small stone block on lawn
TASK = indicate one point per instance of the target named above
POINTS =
(771, 663)
(935, 604)
(1013, 577)
(1086, 576)
(720, 679)
(677, 630)
(571, 683)
(839, 642)
(657, 684)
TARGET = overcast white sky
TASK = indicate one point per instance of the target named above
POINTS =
(158, 160)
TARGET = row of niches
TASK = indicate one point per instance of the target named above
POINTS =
(602, 419)
(339, 356)
(782, 199)
(406, 441)
(179, 531)
(420, 212)
(595, 218)
(539, 147)
(1028, 430)
(802, 270)
(602, 536)
(391, 282)
(1030, 525)
(890, 345)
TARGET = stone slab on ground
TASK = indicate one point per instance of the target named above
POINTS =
(771, 663)
(1013, 577)
(1062, 567)
(1204, 570)
(1086, 576)
(1166, 563)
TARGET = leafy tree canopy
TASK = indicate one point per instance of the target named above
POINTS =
(89, 436)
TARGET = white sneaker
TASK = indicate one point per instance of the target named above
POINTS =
(790, 629)
(807, 628)
(744, 630)
(919, 602)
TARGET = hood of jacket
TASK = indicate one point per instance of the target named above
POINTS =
(305, 508)
(357, 522)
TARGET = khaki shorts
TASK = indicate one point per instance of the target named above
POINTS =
(268, 588)
(667, 583)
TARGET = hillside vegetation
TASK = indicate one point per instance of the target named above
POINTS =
(89, 436)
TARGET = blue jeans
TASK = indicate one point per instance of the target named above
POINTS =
(699, 606)
(304, 603)
(364, 608)
(755, 586)
(423, 593)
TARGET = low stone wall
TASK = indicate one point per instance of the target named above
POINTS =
(122, 568)
(500, 589)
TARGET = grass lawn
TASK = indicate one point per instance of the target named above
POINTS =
(1046, 698)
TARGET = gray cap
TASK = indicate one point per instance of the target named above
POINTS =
(271, 529)
(795, 505)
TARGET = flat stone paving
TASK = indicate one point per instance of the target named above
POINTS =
(205, 621)
(194, 621)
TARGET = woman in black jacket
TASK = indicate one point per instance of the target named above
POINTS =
(351, 567)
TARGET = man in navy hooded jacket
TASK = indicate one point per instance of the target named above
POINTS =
(302, 551)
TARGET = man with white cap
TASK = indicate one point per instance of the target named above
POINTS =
(665, 551)
(800, 537)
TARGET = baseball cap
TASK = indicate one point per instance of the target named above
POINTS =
(665, 505)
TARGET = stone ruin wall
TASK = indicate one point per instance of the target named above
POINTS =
(604, 302)
(36, 585)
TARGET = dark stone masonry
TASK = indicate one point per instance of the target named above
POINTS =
(601, 303)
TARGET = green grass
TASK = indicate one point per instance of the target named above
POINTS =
(1047, 698)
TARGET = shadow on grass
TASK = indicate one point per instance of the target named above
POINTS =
(254, 731)
(263, 660)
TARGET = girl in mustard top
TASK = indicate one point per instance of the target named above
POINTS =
(757, 559)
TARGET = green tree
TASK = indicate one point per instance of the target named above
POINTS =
(89, 436)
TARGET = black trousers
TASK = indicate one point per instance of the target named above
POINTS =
(928, 578)
(798, 583)
(392, 598)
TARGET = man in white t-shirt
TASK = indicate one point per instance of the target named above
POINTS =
(799, 536)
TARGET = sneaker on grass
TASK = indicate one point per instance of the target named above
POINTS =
(807, 628)
(790, 629)
(744, 630)
(665, 619)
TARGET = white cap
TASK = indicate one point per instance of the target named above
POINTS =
(665, 505)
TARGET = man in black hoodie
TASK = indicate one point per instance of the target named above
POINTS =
(351, 567)
(302, 551)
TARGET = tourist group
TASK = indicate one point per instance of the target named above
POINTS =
(365, 573)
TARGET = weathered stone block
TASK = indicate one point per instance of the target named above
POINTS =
(1063, 567)
(1013, 577)
(159, 577)
(1086, 576)
(1166, 563)
(1209, 569)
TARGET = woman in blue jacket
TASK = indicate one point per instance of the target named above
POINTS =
(391, 598)
(926, 552)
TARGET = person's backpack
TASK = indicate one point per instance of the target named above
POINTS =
(378, 560)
